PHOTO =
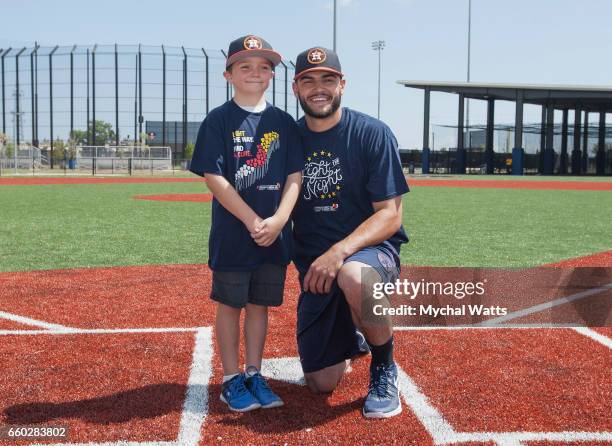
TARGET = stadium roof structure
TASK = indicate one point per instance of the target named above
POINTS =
(579, 98)
(585, 97)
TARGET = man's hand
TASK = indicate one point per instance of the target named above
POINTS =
(266, 231)
(323, 271)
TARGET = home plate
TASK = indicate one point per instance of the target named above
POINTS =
(284, 369)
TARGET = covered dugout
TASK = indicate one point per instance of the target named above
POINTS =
(583, 100)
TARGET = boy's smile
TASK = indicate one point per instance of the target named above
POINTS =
(250, 76)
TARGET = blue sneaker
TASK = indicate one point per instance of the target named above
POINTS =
(260, 389)
(236, 396)
(383, 395)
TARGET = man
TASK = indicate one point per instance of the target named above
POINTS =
(347, 224)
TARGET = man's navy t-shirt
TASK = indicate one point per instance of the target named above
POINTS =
(346, 168)
(255, 152)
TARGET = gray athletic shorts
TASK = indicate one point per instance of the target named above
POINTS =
(262, 286)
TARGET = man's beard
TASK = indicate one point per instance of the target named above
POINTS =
(335, 105)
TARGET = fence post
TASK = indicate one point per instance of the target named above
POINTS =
(130, 165)
(93, 94)
(297, 108)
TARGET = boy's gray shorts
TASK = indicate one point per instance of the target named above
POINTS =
(262, 286)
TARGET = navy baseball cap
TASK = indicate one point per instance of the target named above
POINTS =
(317, 59)
(251, 46)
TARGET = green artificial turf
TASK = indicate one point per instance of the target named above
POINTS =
(503, 177)
(68, 226)
(504, 227)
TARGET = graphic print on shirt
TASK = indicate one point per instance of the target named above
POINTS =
(322, 180)
(256, 167)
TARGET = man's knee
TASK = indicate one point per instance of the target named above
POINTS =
(325, 380)
(349, 281)
(320, 385)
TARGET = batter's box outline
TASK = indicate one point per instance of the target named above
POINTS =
(288, 369)
(195, 406)
(443, 433)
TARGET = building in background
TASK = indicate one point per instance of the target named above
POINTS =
(174, 134)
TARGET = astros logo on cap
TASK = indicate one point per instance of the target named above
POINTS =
(316, 56)
(253, 43)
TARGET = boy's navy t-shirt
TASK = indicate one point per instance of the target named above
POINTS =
(255, 152)
(346, 168)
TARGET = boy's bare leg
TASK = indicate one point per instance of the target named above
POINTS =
(255, 329)
(227, 329)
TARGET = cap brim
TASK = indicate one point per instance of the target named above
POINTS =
(310, 70)
(270, 55)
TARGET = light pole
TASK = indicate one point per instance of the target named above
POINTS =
(467, 111)
(378, 46)
(335, 14)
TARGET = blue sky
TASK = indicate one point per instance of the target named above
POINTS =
(522, 41)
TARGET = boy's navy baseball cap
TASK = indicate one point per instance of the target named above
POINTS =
(251, 46)
(317, 59)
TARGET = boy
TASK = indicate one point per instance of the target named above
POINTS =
(250, 154)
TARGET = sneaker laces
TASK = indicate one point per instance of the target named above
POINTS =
(260, 383)
(237, 386)
(379, 381)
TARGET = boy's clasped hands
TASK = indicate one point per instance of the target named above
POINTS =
(265, 232)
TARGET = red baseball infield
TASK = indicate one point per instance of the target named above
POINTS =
(418, 182)
(176, 197)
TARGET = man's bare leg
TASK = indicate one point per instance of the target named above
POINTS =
(350, 282)
(327, 379)
(383, 399)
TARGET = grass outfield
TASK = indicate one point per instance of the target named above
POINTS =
(502, 177)
(51, 227)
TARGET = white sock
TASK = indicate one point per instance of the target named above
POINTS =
(251, 370)
(226, 378)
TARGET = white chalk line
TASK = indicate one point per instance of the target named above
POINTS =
(114, 443)
(511, 438)
(545, 306)
(73, 331)
(32, 322)
(597, 337)
(195, 406)
(287, 369)
(480, 327)
(441, 431)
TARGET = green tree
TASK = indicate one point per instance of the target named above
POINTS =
(10, 148)
(59, 150)
(104, 134)
(143, 147)
(189, 150)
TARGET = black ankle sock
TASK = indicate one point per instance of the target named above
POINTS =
(382, 354)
